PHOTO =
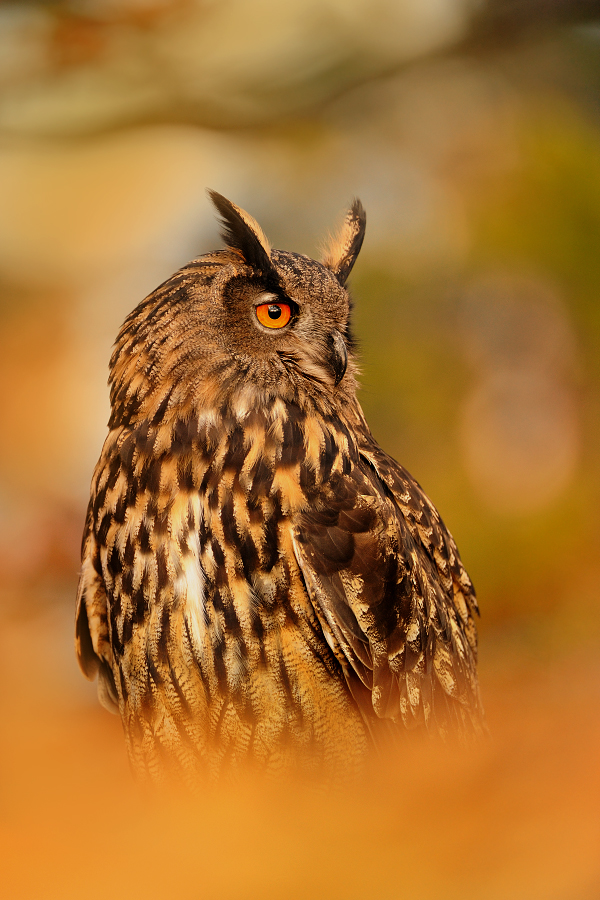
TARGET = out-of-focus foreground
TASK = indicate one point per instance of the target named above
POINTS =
(473, 140)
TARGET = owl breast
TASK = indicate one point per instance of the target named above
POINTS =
(218, 654)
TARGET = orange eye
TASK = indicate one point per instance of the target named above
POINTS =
(273, 315)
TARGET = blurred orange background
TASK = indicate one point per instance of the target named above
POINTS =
(471, 133)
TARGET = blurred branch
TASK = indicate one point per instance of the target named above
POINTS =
(74, 68)
(501, 22)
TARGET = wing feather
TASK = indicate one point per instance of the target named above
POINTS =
(92, 638)
(392, 595)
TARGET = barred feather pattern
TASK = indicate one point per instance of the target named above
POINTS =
(260, 581)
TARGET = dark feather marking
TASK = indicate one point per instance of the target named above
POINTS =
(334, 547)
(159, 415)
(150, 474)
(232, 623)
(308, 478)
(127, 579)
(228, 521)
(213, 500)
(152, 507)
(127, 628)
(163, 571)
(120, 510)
(258, 630)
(239, 236)
(132, 491)
(219, 556)
(342, 429)
(255, 509)
(262, 479)
(184, 433)
(190, 519)
(126, 454)
(294, 413)
(147, 699)
(88, 657)
(209, 475)
(292, 450)
(236, 453)
(185, 473)
(162, 645)
(281, 599)
(117, 644)
(144, 538)
(161, 524)
(357, 519)
(145, 438)
(114, 467)
(110, 678)
(139, 607)
(99, 502)
(115, 565)
(204, 533)
(182, 541)
(208, 441)
(102, 532)
(96, 561)
(271, 536)
(183, 700)
(153, 672)
(249, 556)
(317, 519)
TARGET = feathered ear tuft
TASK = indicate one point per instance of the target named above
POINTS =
(341, 251)
(243, 234)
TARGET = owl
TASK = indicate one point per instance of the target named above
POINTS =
(261, 583)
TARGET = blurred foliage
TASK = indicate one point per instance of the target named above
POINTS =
(471, 132)
(469, 165)
(480, 163)
(543, 217)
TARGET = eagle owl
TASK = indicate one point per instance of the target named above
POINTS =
(260, 581)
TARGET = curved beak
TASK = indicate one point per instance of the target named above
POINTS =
(338, 356)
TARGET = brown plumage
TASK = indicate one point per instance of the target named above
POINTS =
(260, 581)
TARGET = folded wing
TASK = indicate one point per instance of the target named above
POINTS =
(393, 598)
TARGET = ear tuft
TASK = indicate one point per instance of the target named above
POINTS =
(243, 234)
(341, 251)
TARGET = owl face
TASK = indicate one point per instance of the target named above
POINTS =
(316, 301)
(272, 321)
(298, 312)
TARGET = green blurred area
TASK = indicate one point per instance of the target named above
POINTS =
(535, 572)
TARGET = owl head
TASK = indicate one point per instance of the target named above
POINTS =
(249, 321)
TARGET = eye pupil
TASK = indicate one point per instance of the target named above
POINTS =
(274, 315)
